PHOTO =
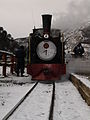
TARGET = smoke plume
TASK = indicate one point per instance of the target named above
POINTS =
(77, 15)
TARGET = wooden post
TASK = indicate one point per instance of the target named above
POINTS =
(4, 64)
(12, 64)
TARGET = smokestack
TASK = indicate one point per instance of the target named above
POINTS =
(46, 23)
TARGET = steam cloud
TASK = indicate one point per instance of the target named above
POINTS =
(77, 15)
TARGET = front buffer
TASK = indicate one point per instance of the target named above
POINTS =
(46, 71)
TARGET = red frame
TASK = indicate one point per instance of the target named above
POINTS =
(38, 71)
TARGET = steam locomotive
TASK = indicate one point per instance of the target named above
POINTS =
(46, 56)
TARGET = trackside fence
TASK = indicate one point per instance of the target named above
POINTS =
(7, 59)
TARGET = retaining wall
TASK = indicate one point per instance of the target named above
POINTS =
(82, 88)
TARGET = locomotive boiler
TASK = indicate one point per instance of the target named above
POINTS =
(46, 57)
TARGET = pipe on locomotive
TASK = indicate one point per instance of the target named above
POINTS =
(46, 20)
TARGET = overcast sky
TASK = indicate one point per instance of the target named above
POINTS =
(19, 16)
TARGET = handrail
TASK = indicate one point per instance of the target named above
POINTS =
(8, 53)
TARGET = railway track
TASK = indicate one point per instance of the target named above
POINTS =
(19, 103)
(34, 104)
(52, 101)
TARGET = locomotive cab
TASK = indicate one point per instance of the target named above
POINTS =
(46, 52)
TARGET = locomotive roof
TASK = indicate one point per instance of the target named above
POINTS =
(53, 32)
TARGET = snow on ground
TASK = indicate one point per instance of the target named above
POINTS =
(10, 95)
(69, 104)
(7, 71)
(83, 79)
(36, 106)
(12, 89)
(13, 78)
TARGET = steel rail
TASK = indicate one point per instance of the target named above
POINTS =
(19, 103)
(52, 103)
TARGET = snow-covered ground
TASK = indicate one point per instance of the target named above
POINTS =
(84, 79)
(37, 104)
(9, 95)
(69, 104)
(12, 89)
(7, 71)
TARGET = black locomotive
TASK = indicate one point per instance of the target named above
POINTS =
(46, 52)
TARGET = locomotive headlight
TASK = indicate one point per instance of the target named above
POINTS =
(46, 50)
(46, 36)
